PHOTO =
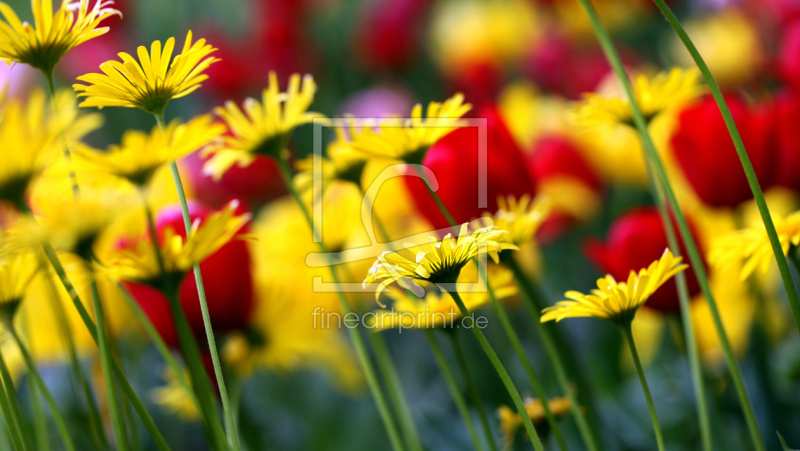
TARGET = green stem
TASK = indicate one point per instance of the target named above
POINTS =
(554, 353)
(126, 387)
(455, 390)
(504, 376)
(472, 388)
(95, 422)
(626, 330)
(48, 397)
(505, 323)
(694, 255)
(394, 387)
(153, 334)
(51, 87)
(230, 426)
(512, 390)
(355, 336)
(695, 365)
(750, 173)
(438, 200)
(197, 371)
(388, 371)
(11, 411)
(105, 360)
(39, 419)
(98, 434)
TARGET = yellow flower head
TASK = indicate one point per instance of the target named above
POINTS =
(442, 263)
(665, 92)
(438, 309)
(29, 134)
(174, 397)
(18, 271)
(151, 82)
(511, 421)
(409, 139)
(73, 225)
(617, 301)
(54, 35)
(179, 254)
(520, 217)
(140, 154)
(264, 128)
(342, 161)
(751, 247)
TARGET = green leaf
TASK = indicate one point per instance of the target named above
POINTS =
(783, 443)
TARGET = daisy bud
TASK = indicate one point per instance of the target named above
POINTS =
(634, 240)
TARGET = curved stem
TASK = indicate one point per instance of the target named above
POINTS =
(355, 335)
(504, 376)
(526, 364)
(626, 330)
(96, 423)
(472, 388)
(51, 88)
(230, 426)
(126, 387)
(48, 397)
(696, 260)
(744, 158)
(695, 365)
(197, 371)
(151, 331)
(512, 390)
(455, 390)
(554, 353)
(394, 387)
(13, 415)
(105, 360)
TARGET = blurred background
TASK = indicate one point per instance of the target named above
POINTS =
(520, 63)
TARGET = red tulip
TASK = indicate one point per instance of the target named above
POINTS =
(557, 156)
(787, 116)
(389, 32)
(635, 240)
(705, 152)
(554, 158)
(454, 161)
(479, 81)
(254, 185)
(226, 278)
(560, 66)
(789, 55)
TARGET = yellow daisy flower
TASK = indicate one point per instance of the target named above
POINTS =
(521, 218)
(179, 254)
(153, 81)
(42, 46)
(267, 125)
(437, 309)
(73, 225)
(617, 301)
(30, 133)
(342, 161)
(409, 139)
(18, 271)
(442, 263)
(140, 154)
(511, 421)
(751, 246)
(666, 91)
